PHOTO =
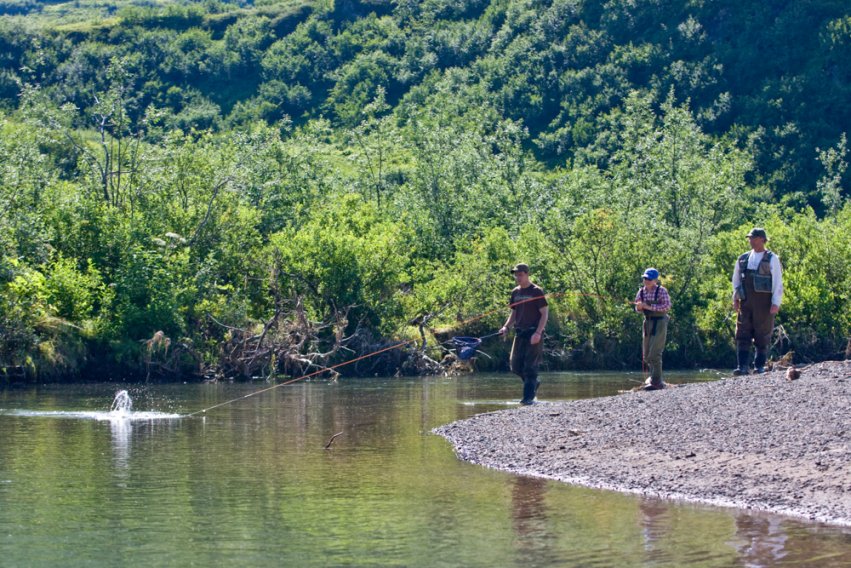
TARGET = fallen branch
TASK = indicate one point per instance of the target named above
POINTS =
(331, 440)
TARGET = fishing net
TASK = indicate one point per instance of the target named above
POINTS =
(466, 346)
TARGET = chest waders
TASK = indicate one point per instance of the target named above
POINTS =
(655, 331)
(754, 322)
(525, 359)
(650, 315)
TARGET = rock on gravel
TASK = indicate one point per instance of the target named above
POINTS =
(756, 442)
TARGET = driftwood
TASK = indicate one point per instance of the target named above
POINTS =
(331, 440)
(418, 360)
(288, 342)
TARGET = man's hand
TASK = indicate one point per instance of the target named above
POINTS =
(536, 338)
(737, 303)
(503, 330)
(639, 306)
(774, 309)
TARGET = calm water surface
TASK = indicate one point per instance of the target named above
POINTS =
(251, 484)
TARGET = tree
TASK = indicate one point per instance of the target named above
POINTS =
(829, 186)
(376, 138)
(112, 157)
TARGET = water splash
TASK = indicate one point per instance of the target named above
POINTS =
(122, 403)
(121, 411)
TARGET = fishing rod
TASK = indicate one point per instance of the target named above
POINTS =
(332, 367)
(469, 351)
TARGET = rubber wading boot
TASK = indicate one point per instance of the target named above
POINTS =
(649, 385)
(759, 362)
(741, 363)
(529, 388)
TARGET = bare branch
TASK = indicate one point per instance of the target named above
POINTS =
(331, 440)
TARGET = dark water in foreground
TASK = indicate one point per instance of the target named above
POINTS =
(250, 484)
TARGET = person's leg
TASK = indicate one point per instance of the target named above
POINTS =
(656, 346)
(519, 351)
(645, 343)
(530, 371)
(742, 355)
(518, 354)
(744, 338)
(763, 330)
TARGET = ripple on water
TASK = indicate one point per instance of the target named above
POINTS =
(94, 415)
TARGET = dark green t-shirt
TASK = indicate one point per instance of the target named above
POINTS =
(527, 303)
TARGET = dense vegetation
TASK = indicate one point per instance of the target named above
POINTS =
(238, 189)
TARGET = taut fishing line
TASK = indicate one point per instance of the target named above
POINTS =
(322, 370)
(389, 348)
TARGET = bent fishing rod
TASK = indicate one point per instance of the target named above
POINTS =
(382, 350)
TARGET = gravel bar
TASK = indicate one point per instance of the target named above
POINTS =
(756, 442)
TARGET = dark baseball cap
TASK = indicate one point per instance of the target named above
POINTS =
(520, 268)
(758, 232)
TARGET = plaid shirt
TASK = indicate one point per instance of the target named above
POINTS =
(657, 303)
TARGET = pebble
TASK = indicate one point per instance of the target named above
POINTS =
(751, 442)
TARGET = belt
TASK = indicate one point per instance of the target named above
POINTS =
(525, 332)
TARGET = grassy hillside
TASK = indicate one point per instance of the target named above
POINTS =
(774, 78)
(272, 183)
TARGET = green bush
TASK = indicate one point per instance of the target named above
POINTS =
(73, 294)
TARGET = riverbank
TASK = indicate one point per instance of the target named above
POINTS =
(757, 442)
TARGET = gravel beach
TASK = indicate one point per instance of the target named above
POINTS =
(756, 442)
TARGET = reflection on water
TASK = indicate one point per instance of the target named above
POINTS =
(121, 430)
(529, 518)
(761, 541)
(655, 524)
(253, 484)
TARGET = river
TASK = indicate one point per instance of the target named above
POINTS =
(251, 483)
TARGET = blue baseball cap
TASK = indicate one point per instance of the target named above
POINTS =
(650, 274)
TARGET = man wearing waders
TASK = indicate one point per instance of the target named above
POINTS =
(529, 313)
(757, 293)
(653, 301)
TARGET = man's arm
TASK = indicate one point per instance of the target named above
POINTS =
(542, 323)
(508, 323)
(639, 305)
(737, 281)
(776, 284)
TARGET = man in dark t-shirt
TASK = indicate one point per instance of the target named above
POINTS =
(529, 313)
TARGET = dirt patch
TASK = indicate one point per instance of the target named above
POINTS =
(756, 442)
